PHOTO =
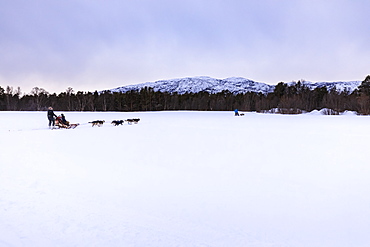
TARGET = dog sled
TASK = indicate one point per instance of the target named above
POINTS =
(59, 124)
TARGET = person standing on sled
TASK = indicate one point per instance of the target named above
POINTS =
(51, 116)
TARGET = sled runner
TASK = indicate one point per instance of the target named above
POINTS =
(59, 124)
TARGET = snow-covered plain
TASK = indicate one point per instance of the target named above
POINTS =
(185, 179)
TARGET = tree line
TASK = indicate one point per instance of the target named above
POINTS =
(286, 99)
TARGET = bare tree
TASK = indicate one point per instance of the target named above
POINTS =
(69, 92)
(40, 96)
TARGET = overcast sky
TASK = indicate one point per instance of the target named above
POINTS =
(94, 44)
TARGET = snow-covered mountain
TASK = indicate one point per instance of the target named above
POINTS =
(339, 86)
(235, 85)
(201, 84)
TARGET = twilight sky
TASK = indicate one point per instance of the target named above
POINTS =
(95, 45)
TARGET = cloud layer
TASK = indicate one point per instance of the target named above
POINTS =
(95, 45)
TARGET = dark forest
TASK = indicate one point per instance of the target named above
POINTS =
(284, 99)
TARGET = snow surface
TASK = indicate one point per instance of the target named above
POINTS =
(185, 179)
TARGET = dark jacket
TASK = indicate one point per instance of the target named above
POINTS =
(64, 120)
(51, 115)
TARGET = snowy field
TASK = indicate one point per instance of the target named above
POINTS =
(185, 179)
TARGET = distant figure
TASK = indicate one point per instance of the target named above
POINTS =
(51, 116)
(236, 112)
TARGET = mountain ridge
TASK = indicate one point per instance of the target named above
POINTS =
(235, 85)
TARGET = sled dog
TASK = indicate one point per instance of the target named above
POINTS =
(117, 122)
(97, 123)
(133, 120)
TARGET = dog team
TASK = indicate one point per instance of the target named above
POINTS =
(61, 122)
(130, 121)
